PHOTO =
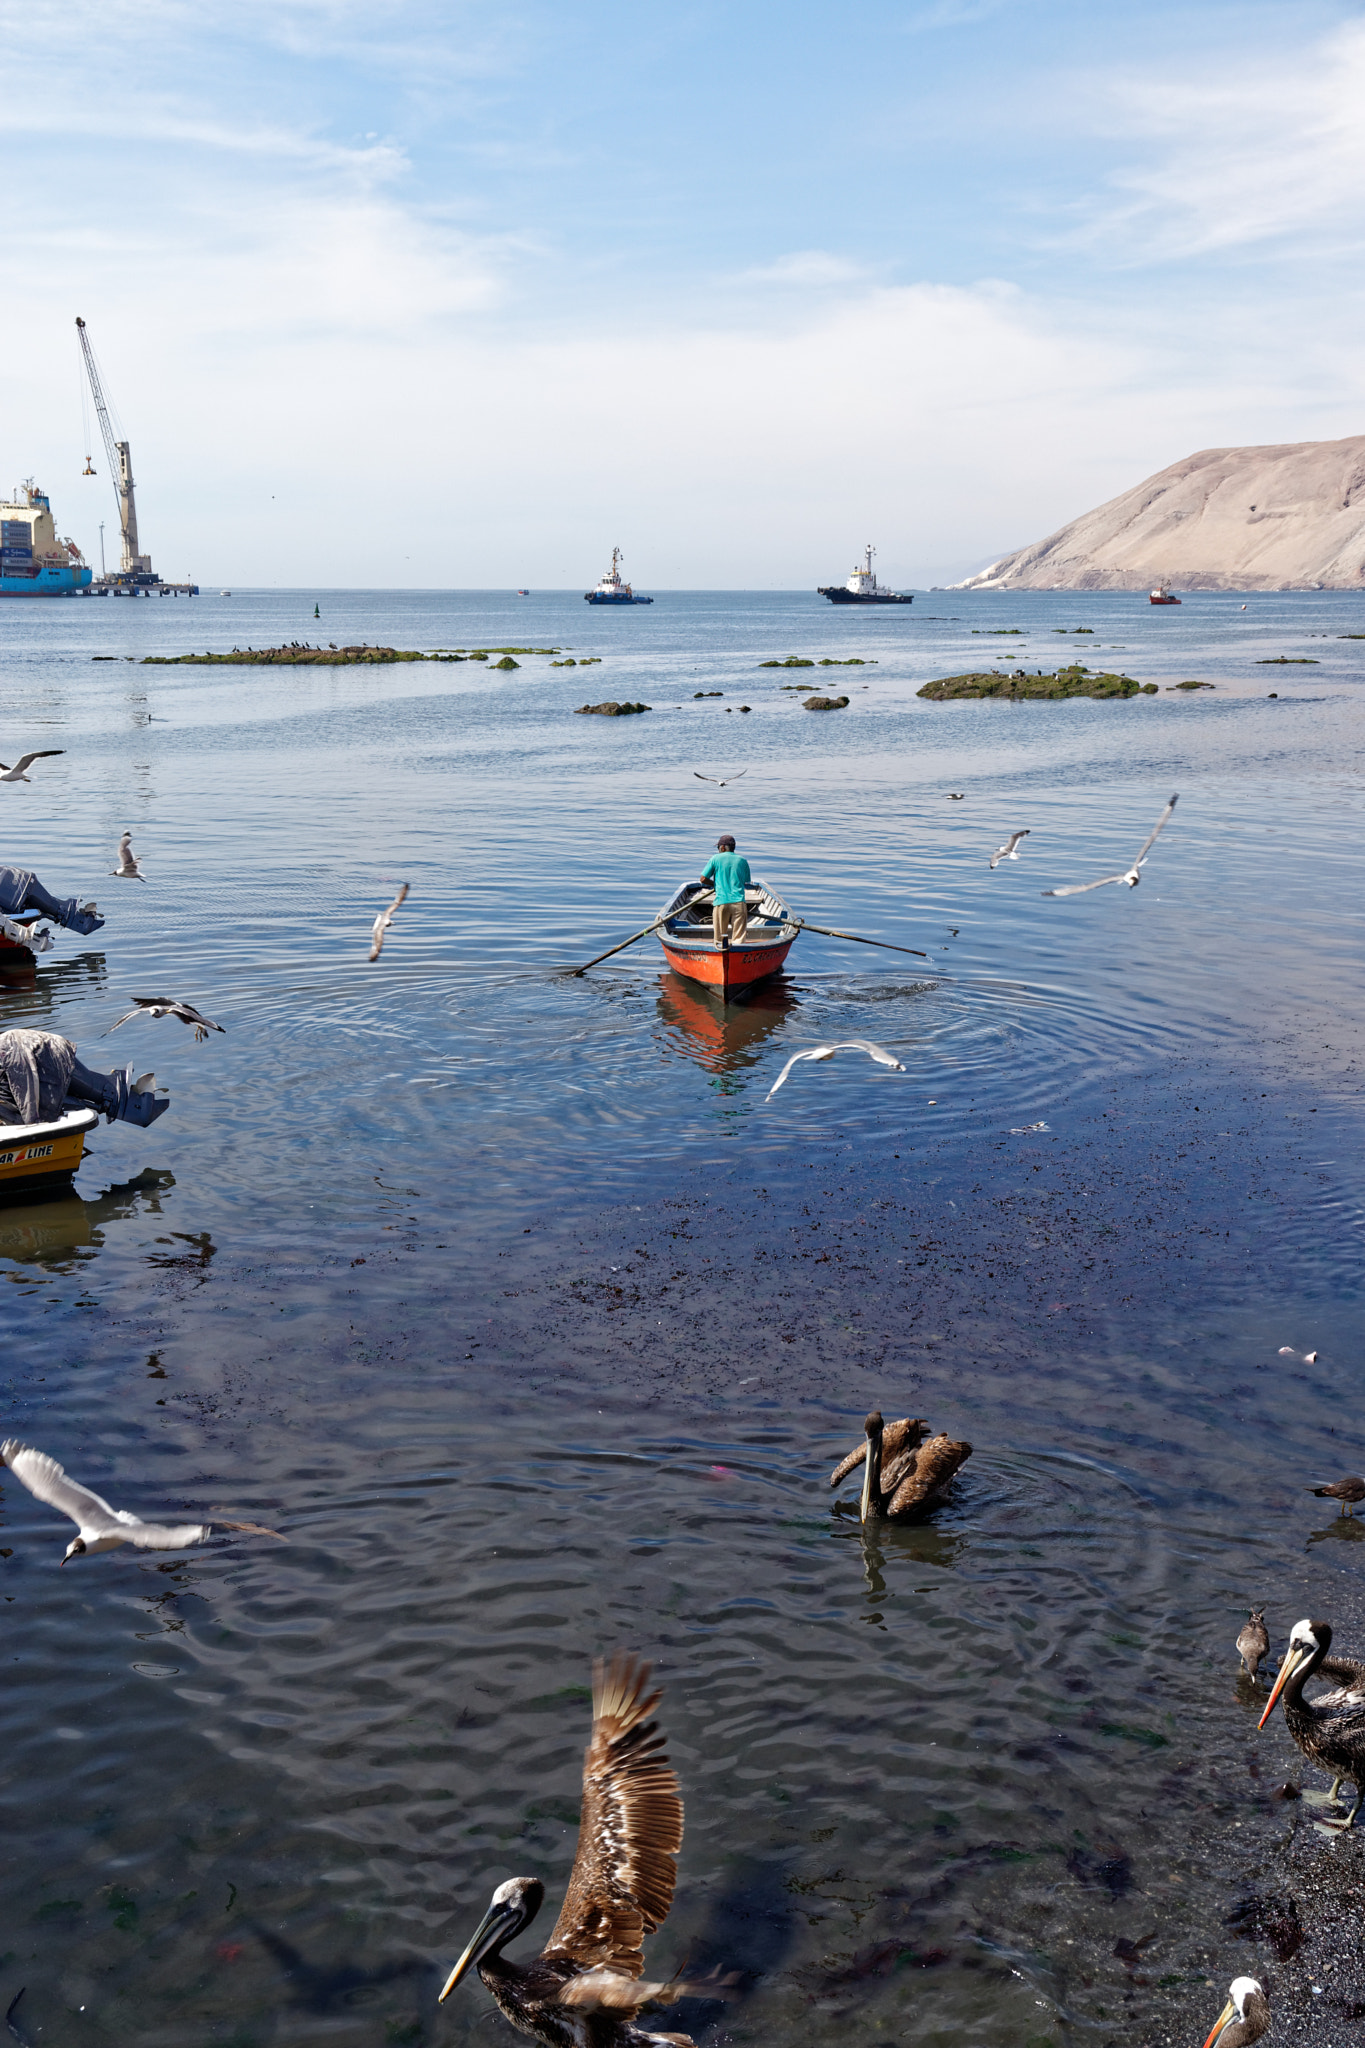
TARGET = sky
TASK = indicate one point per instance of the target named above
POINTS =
(424, 293)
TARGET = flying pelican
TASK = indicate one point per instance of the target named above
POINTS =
(16, 773)
(127, 869)
(903, 1476)
(1345, 1490)
(1131, 875)
(382, 923)
(1246, 2016)
(166, 1006)
(1331, 1730)
(1253, 1643)
(1010, 849)
(620, 1889)
(716, 779)
(827, 1052)
(98, 1526)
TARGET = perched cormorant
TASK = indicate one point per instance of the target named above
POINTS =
(1331, 1730)
(1244, 2018)
(903, 1476)
(585, 1988)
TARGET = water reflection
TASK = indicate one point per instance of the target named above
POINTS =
(723, 1038)
(1345, 1529)
(49, 1233)
(26, 994)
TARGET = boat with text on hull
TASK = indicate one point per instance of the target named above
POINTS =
(862, 587)
(731, 968)
(33, 561)
(39, 1160)
(613, 589)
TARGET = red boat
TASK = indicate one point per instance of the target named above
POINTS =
(729, 968)
(1161, 595)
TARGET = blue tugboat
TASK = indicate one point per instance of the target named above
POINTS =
(612, 589)
(33, 561)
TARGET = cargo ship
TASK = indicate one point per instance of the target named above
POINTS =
(612, 589)
(33, 561)
(862, 587)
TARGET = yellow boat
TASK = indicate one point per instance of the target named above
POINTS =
(40, 1159)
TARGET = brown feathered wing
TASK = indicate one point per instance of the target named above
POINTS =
(621, 1886)
(898, 1439)
(934, 1466)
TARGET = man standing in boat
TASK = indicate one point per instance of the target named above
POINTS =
(728, 874)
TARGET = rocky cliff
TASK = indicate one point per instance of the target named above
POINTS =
(1278, 518)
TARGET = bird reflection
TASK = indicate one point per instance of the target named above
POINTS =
(46, 1233)
(724, 1038)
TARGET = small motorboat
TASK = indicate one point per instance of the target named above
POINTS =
(37, 1160)
(1162, 595)
(729, 968)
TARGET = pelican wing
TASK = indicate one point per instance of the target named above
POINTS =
(934, 1466)
(608, 1991)
(47, 1482)
(621, 1886)
(898, 1440)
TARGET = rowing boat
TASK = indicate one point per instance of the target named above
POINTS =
(37, 1160)
(685, 933)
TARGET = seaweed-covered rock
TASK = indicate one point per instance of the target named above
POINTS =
(853, 661)
(792, 661)
(297, 654)
(825, 703)
(568, 662)
(507, 662)
(610, 710)
(1190, 686)
(1073, 681)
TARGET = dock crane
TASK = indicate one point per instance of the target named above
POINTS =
(135, 570)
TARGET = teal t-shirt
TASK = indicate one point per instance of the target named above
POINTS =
(730, 874)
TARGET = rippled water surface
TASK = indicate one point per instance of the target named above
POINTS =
(534, 1324)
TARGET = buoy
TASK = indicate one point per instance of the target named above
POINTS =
(316, 613)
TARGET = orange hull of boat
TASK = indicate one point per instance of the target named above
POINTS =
(732, 967)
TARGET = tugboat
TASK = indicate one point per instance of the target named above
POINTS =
(612, 590)
(1162, 595)
(862, 587)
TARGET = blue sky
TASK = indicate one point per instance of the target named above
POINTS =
(456, 295)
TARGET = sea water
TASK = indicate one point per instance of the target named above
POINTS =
(536, 1326)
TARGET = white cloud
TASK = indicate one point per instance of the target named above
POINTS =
(1259, 150)
(809, 267)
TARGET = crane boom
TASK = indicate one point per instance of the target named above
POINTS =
(120, 461)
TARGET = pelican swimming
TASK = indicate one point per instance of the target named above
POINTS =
(1246, 2016)
(1330, 1730)
(585, 1987)
(1253, 1643)
(903, 1476)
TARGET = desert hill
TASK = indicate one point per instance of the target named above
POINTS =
(1277, 518)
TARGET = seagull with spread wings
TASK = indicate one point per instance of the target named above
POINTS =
(1130, 875)
(587, 1983)
(382, 923)
(16, 773)
(716, 779)
(1010, 849)
(827, 1052)
(127, 869)
(98, 1526)
(167, 1006)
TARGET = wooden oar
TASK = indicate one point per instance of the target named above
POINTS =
(826, 933)
(619, 949)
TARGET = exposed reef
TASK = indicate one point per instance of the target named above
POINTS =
(1075, 681)
(826, 703)
(610, 710)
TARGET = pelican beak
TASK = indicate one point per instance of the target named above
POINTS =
(1229, 2012)
(869, 1480)
(1293, 1658)
(498, 1916)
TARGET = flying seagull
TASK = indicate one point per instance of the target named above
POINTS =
(98, 1526)
(1010, 849)
(166, 1006)
(1130, 875)
(827, 1052)
(716, 779)
(956, 796)
(382, 923)
(127, 868)
(16, 773)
